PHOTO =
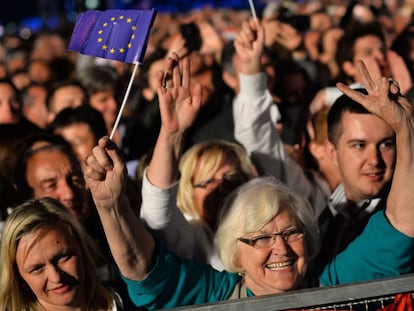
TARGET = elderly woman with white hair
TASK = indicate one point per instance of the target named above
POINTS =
(267, 235)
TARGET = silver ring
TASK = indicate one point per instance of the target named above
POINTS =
(392, 81)
(164, 82)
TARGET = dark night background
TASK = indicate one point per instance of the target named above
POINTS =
(37, 14)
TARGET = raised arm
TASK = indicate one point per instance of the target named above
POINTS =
(254, 128)
(249, 45)
(179, 105)
(385, 101)
(131, 245)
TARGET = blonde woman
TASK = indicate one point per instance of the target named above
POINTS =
(208, 172)
(49, 262)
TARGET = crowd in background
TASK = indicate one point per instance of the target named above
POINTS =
(56, 104)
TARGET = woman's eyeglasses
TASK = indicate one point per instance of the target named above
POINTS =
(267, 240)
(227, 178)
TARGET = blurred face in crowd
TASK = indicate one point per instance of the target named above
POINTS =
(369, 49)
(51, 173)
(80, 136)
(106, 104)
(320, 21)
(39, 71)
(3, 70)
(21, 79)
(9, 105)
(64, 97)
(36, 110)
(48, 47)
(365, 155)
(48, 261)
(279, 266)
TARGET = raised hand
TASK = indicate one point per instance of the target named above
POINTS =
(105, 173)
(212, 41)
(249, 44)
(177, 45)
(132, 246)
(384, 97)
(179, 101)
(179, 104)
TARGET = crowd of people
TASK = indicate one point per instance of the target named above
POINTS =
(255, 155)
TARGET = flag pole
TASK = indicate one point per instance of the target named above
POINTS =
(118, 118)
(253, 9)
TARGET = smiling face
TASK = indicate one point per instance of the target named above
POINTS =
(278, 268)
(48, 261)
(51, 173)
(365, 155)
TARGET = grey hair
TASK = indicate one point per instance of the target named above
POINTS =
(251, 206)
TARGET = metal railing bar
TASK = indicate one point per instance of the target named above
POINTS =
(306, 298)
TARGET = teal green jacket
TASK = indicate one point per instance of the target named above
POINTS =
(380, 251)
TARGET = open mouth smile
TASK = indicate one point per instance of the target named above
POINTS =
(280, 265)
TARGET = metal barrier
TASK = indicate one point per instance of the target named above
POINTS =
(355, 296)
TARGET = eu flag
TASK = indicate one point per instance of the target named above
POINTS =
(113, 34)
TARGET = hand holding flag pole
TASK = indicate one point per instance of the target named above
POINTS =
(114, 34)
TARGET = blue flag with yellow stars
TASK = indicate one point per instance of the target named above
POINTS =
(113, 34)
